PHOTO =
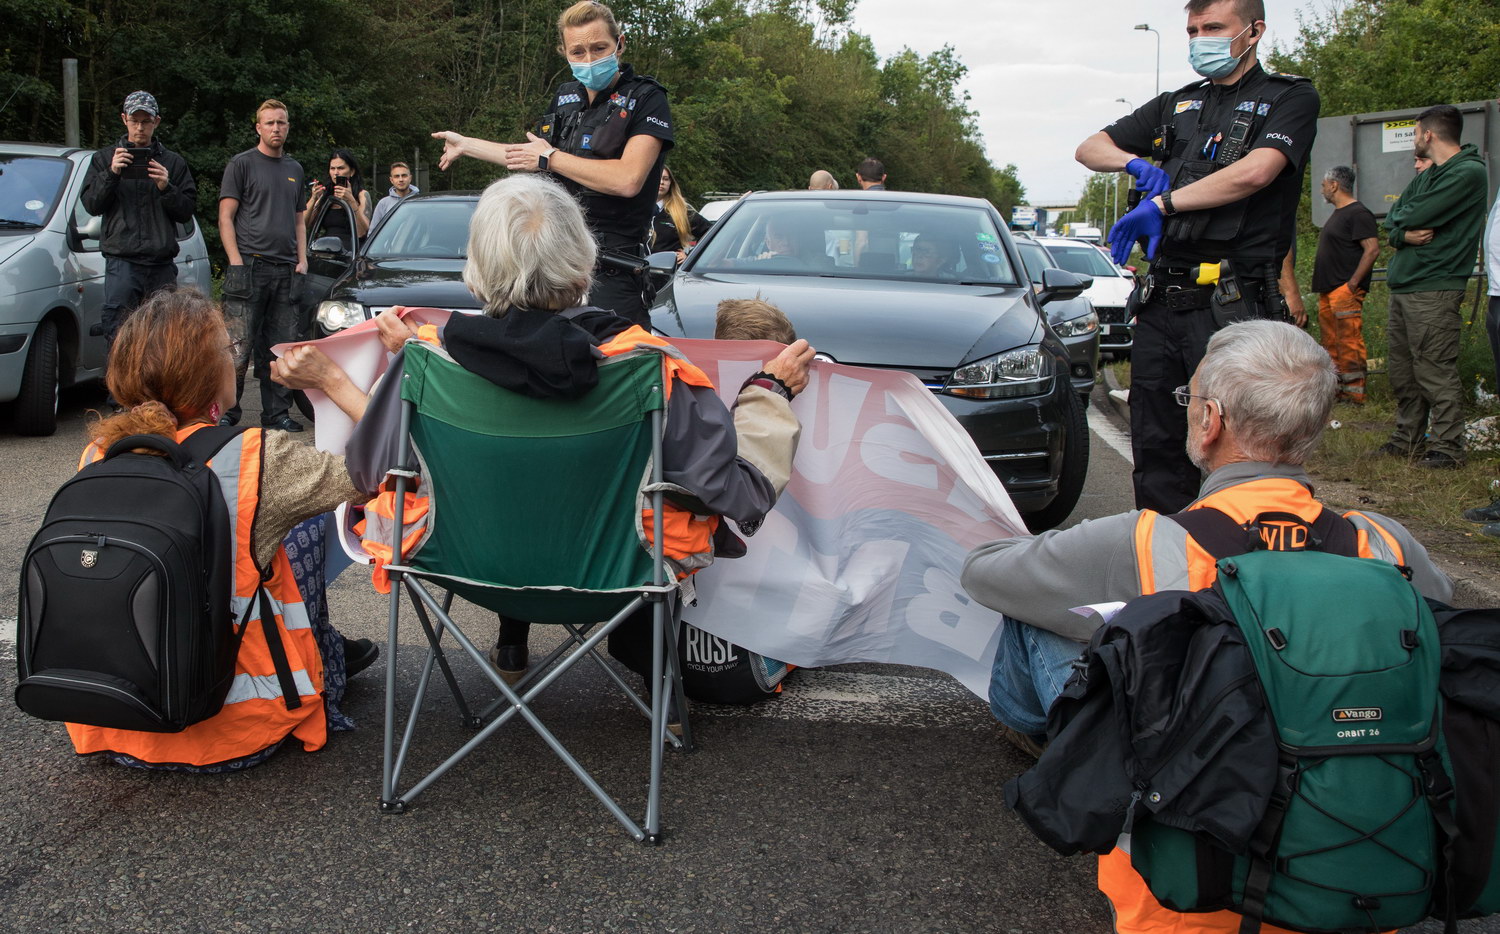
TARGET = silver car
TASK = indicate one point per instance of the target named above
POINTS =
(52, 280)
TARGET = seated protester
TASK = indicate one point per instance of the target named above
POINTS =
(934, 258)
(752, 319)
(673, 218)
(530, 261)
(172, 369)
(748, 677)
(1257, 406)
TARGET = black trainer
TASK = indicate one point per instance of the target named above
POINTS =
(285, 424)
(1490, 513)
(1437, 460)
(512, 661)
(359, 654)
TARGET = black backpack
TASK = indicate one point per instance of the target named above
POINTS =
(125, 597)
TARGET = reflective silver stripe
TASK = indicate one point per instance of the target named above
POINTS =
(1379, 547)
(265, 687)
(1169, 561)
(293, 615)
(226, 466)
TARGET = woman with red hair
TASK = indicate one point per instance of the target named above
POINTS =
(172, 369)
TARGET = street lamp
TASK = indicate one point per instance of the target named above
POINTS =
(1144, 27)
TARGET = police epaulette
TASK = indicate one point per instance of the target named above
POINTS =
(1286, 77)
(1193, 85)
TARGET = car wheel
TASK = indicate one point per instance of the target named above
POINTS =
(1075, 468)
(36, 406)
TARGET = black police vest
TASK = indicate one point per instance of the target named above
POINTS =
(594, 132)
(1192, 143)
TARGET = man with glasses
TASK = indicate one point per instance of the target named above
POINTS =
(142, 204)
(1256, 407)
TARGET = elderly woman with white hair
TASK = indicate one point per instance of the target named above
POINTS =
(530, 261)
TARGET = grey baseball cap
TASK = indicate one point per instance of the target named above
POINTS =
(141, 100)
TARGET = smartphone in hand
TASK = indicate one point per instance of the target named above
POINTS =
(140, 161)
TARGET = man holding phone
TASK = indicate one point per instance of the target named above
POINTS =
(143, 190)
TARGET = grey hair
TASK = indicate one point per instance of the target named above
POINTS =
(1342, 176)
(1275, 385)
(528, 247)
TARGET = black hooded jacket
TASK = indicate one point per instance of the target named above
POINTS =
(140, 220)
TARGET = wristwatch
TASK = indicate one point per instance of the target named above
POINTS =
(1166, 203)
(543, 159)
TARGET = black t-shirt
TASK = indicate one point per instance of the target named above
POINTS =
(1339, 249)
(269, 191)
(1288, 125)
(646, 112)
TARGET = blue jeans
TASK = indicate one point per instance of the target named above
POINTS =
(1031, 667)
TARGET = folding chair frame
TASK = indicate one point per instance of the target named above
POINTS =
(665, 681)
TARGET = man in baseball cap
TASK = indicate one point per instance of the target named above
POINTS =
(143, 190)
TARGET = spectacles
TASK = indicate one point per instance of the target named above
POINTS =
(1183, 397)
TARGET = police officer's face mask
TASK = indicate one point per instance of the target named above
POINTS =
(597, 75)
(1209, 55)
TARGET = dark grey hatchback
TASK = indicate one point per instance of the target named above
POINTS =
(929, 284)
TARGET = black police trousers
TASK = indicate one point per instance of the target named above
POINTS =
(1169, 343)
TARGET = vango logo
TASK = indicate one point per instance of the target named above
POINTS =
(1353, 714)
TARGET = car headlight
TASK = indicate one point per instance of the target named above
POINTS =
(1025, 371)
(335, 316)
(1077, 327)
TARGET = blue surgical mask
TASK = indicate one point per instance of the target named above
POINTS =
(1209, 55)
(596, 75)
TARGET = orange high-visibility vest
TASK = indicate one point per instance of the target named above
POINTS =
(1167, 558)
(254, 716)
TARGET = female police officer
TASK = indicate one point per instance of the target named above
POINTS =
(605, 137)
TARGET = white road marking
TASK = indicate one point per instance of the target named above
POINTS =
(858, 697)
(7, 637)
(1104, 429)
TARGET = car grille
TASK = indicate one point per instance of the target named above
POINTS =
(1111, 315)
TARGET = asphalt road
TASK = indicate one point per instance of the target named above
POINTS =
(867, 798)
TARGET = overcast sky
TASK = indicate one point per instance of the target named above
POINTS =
(1044, 74)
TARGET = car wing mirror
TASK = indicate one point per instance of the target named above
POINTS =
(91, 229)
(1058, 284)
(660, 266)
(328, 245)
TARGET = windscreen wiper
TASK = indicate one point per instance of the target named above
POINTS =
(7, 222)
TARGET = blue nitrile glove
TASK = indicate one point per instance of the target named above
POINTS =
(1143, 221)
(1149, 179)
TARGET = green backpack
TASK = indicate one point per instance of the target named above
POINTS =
(1360, 825)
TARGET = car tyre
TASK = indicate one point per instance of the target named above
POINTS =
(36, 405)
(1075, 468)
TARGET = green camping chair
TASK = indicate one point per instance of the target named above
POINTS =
(536, 514)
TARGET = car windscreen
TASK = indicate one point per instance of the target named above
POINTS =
(859, 238)
(1082, 259)
(30, 187)
(424, 229)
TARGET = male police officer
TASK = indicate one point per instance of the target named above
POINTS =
(1231, 151)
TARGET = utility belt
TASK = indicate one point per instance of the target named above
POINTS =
(1231, 293)
(620, 254)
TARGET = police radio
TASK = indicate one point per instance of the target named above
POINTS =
(1237, 141)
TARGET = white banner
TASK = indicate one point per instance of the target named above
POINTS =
(860, 560)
